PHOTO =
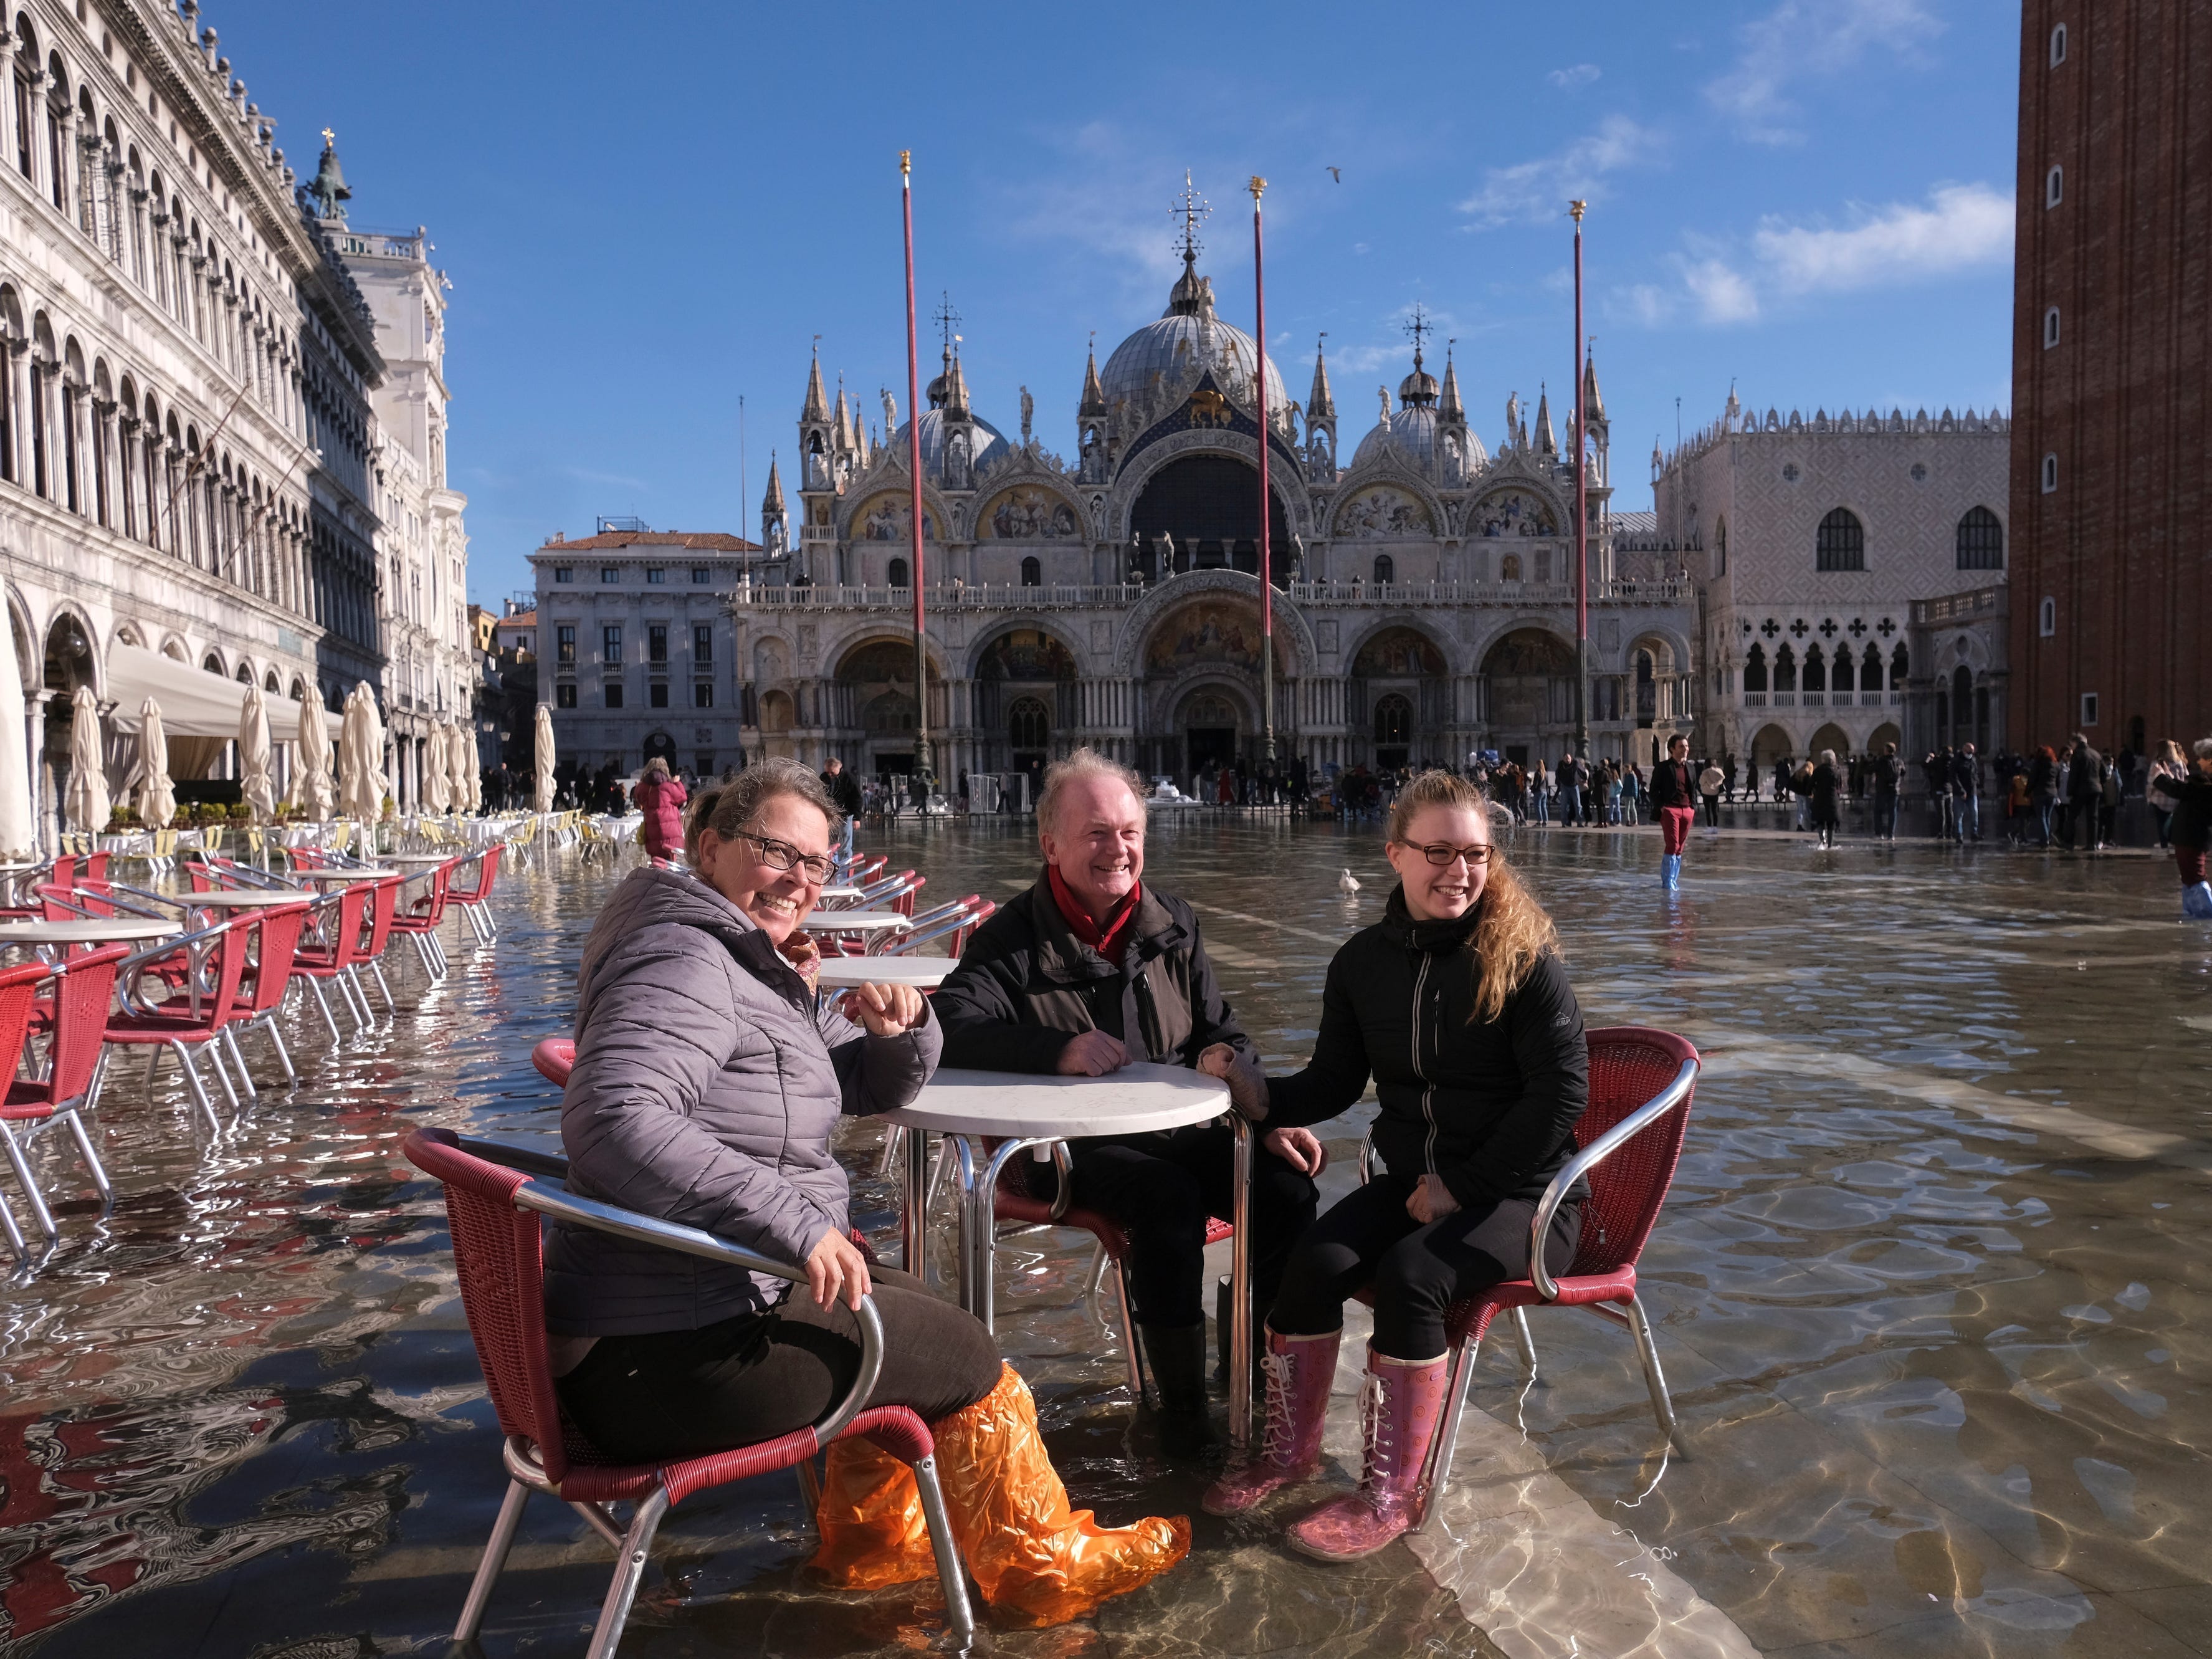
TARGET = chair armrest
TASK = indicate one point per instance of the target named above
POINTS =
(128, 970)
(691, 1241)
(1588, 1159)
(508, 1154)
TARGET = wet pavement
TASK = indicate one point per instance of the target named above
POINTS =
(1932, 1289)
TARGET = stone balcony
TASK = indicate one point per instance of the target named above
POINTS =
(986, 595)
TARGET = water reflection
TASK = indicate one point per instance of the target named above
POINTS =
(1930, 1290)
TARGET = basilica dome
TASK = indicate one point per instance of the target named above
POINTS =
(990, 444)
(1188, 333)
(1412, 432)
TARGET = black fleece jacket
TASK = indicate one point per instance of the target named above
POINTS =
(1490, 1106)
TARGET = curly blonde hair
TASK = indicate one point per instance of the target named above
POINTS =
(1512, 933)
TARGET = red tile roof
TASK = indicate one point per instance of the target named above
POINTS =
(698, 541)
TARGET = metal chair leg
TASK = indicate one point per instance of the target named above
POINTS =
(630, 1569)
(1655, 1377)
(1097, 1276)
(495, 1561)
(283, 1054)
(1437, 1473)
(8, 1224)
(1523, 1335)
(330, 1020)
(228, 1038)
(29, 1182)
(1130, 1341)
(391, 1002)
(185, 1065)
(959, 1620)
(93, 1166)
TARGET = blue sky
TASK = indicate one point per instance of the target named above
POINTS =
(650, 210)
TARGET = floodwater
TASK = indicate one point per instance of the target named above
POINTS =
(1933, 1288)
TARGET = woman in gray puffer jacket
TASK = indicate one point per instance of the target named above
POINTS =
(704, 1091)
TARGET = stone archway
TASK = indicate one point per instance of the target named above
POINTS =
(1529, 691)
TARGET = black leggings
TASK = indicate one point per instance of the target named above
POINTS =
(679, 1393)
(1417, 1272)
(1161, 1187)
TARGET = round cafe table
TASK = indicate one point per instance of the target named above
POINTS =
(326, 873)
(855, 921)
(244, 898)
(1021, 1111)
(102, 930)
(842, 973)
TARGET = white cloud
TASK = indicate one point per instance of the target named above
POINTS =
(1804, 39)
(1579, 75)
(1533, 192)
(1722, 294)
(1960, 227)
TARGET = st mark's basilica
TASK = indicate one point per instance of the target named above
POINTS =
(1423, 605)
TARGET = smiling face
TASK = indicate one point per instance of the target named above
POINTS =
(1440, 892)
(1097, 842)
(776, 900)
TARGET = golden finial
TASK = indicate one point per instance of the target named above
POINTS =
(1257, 184)
(906, 162)
(1575, 209)
(329, 137)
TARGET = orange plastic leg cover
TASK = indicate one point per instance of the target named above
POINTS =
(870, 1521)
(1032, 1556)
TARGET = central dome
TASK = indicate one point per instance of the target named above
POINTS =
(1186, 334)
(990, 443)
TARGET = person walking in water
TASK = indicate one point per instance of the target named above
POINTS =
(1711, 782)
(2191, 831)
(1672, 800)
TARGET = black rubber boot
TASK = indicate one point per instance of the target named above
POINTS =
(1177, 1358)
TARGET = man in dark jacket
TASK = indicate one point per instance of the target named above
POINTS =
(1087, 971)
(1888, 780)
(2084, 791)
(1967, 779)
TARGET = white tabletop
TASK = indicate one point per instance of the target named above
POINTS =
(107, 930)
(421, 858)
(329, 874)
(841, 973)
(250, 898)
(842, 895)
(1132, 1101)
(855, 922)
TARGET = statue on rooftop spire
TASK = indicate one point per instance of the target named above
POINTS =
(329, 192)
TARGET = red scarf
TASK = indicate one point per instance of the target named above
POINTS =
(1110, 942)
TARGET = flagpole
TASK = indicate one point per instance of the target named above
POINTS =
(914, 478)
(1267, 574)
(1582, 512)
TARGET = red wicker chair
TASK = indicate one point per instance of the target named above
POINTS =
(75, 1012)
(492, 1207)
(473, 898)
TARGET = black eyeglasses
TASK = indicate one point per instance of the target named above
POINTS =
(782, 855)
(1443, 853)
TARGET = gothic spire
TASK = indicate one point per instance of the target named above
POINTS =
(772, 503)
(841, 430)
(1546, 443)
(1094, 395)
(1320, 406)
(816, 407)
(955, 390)
(1449, 407)
(1593, 399)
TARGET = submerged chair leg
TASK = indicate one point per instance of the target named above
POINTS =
(391, 1002)
(330, 1020)
(1436, 1475)
(29, 1183)
(1527, 1340)
(8, 1224)
(629, 1571)
(1655, 1377)
(1130, 1340)
(228, 1038)
(94, 1167)
(283, 1054)
(495, 1561)
(959, 1620)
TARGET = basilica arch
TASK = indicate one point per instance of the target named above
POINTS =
(1205, 497)
(1528, 690)
(1202, 634)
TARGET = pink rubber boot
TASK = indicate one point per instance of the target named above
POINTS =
(1398, 1417)
(1298, 1370)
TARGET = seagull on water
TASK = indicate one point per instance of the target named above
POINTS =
(1347, 883)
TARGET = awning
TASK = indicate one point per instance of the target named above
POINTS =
(194, 702)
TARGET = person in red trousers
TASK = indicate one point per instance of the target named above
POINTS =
(1674, 798)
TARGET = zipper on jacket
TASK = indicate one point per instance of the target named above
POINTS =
(1154, 1034)
(1428, 1090)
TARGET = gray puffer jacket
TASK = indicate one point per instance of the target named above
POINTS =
(704, 1091)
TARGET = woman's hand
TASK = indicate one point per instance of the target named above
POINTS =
(884, 1010)
(804, 955)
(1431, 1201)
(836, 1270)
(1248, 1084)
(1299, 1148)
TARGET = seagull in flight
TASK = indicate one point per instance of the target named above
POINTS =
(1337, 174)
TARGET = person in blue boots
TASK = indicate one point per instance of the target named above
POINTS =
(1674, 799)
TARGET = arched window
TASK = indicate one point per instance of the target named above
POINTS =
(1720, 545)
(1394, 722)
(897, 574)
(1900, 667)
(2054, 186)
(1509, 568)
(2050, 328)
(1032, 573)
(1870, 673)
(1840, 543)
(1981, 541)
(1646, 689)
(1839, 680)
(1816, 673)
(1755, 670)
(1027, 727)
(1785, 672)
(2050, 472)
(1385, 571)
(2057, 46)
(2046, 617)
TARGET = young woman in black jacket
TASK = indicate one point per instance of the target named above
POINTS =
(1457, 1005)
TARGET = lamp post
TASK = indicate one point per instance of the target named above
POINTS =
(1582, 512)
(921, 764)
(1267, 576)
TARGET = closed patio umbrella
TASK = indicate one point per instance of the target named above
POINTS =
(87, 800)
(255, 782)
(18, 833)
(312, 792)
(542, 791)
(437, 787)
(380, 781)
(353, 759)
(157, 794)
(461, 767)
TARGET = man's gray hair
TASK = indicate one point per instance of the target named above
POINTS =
(2202, 749)
(1083, 763)
(730, 809)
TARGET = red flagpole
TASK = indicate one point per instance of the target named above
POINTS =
(1266, 572)
(913, 474)
(1582, 513)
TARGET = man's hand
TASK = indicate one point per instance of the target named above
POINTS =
(1248, 1084)
(1299, 1148)
(1092, 1053)
(1431, 1201)
(835, 1270)
(884, 1010)
(804, 955)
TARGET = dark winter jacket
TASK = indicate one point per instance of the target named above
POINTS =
(1888, 776)
(2191, 827)
(1825, 787)
(2083, 774)
(1966, 772)
(1026, 986)
(1671, 785)
(704, 1091)
(1491, 1107)
(844, 789)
